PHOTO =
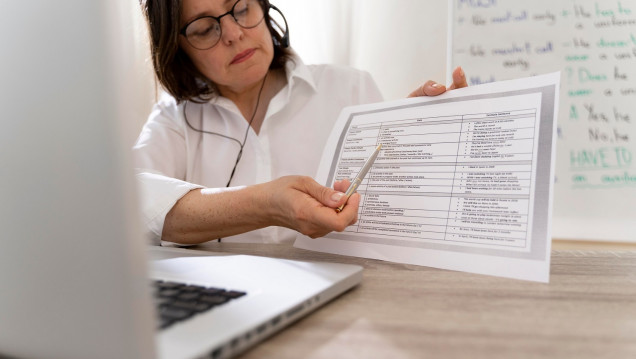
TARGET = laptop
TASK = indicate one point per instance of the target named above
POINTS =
(272, 293)
(77, 280)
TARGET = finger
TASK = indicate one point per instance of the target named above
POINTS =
(350, 210)
(327, 220)
(459, 79)
(430, 88)
(325, 195)
(341, 185)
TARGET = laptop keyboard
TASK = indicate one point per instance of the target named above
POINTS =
(176, 301)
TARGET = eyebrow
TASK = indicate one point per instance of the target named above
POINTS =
(206, 13)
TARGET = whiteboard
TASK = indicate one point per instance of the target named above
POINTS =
(593, 44)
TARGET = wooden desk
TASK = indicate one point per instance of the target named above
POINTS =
(405, 311)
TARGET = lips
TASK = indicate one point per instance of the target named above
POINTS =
(243, 56)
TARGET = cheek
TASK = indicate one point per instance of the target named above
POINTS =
(268, 53)
(266, 40)
(206, 62)
(269, 40)
(269, 45)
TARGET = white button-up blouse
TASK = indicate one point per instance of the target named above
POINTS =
(172, 159)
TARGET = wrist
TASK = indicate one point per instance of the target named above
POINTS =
(260, 198)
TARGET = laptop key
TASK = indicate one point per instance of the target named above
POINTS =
(233, 294)
(213, 290)
(213, 299)
(168, 293)
(188, 296)
(165, 323)
(159, 301)
(192, 306)
(175, 313)
(168, 285)
(191, 288)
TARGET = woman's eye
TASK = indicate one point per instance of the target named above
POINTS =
(242, 11)
(206, 31)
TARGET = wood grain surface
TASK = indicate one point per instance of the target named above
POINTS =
(588, 310)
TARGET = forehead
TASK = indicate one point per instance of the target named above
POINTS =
(191, 9)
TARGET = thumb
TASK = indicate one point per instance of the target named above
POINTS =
(325, 195)
(459, 79)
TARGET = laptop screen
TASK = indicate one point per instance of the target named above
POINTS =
(71, 264)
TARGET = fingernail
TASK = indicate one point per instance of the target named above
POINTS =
(336, 196)
(435, 85)
(461, 72)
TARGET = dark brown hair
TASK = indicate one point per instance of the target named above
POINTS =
(173, 68)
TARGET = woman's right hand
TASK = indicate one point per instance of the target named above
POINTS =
(302, 204)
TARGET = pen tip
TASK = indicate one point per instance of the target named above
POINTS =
(379, 146)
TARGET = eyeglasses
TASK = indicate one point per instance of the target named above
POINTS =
(205, 32)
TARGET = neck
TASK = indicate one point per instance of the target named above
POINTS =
(254, 100)
(245, 98)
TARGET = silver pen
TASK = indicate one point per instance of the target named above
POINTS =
(360, 176)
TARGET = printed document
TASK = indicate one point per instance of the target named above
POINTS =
(463, 181)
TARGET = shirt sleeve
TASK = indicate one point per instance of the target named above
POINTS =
(158, 194)
(160, 160)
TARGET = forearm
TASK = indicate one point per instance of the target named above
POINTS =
(204, 214)
(295, 202)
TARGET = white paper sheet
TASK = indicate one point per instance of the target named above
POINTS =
(463, 181)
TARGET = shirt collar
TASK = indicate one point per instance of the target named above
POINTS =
(295, 69)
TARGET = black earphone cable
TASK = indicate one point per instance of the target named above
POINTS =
(241, 145)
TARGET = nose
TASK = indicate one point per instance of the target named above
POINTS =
(230, 31)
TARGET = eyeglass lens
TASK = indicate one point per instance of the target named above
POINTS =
(205, 32)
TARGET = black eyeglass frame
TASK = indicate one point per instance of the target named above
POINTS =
(218, 19)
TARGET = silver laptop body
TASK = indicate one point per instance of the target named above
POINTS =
(278, 292)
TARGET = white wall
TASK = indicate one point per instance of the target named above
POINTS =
(402, 43)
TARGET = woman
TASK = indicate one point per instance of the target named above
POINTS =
(220, 156)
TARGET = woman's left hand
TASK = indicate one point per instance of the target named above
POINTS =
(432, 88)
